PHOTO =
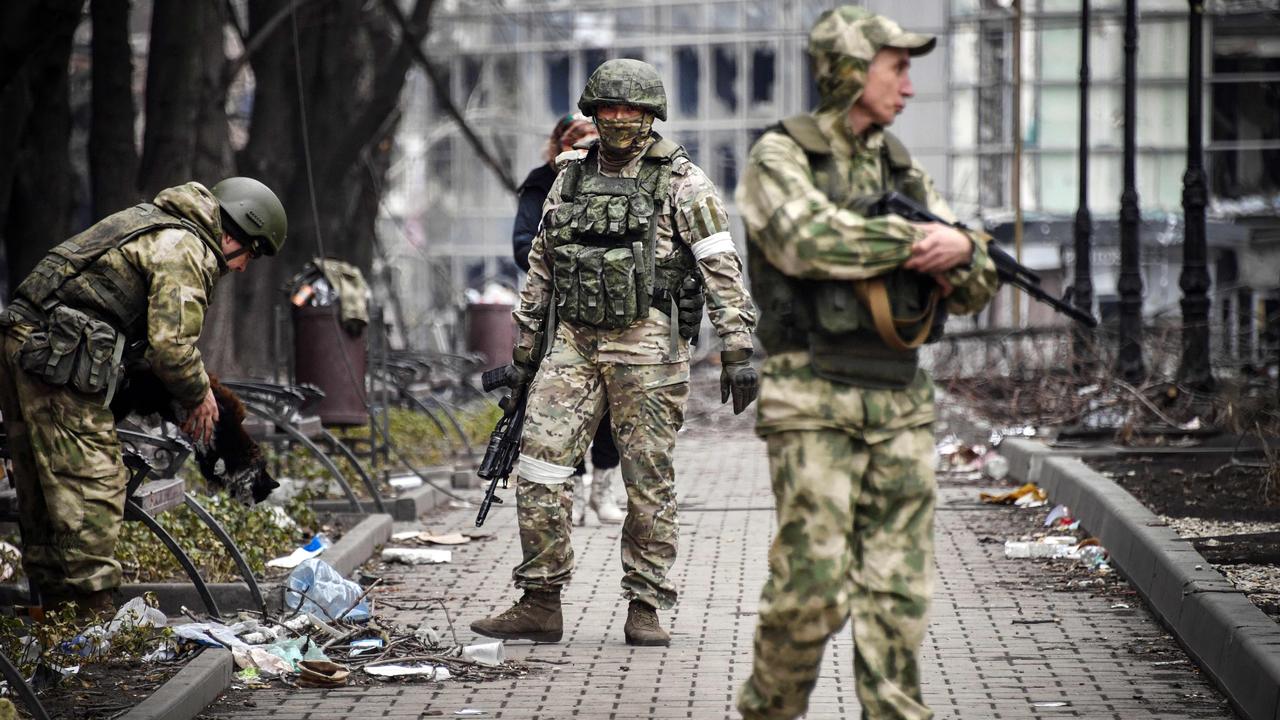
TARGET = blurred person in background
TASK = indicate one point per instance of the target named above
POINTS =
(572, 130)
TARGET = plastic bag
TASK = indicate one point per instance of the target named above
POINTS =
(328, 594)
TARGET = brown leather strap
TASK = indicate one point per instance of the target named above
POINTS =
(872, 294)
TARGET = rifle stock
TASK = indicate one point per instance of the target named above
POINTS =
(1009, 270)
(503, 449)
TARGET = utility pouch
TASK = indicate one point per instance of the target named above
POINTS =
(836, 308)
(591, 288)
(620, 288)
(861, 360)
(74, 349)
(564, 272)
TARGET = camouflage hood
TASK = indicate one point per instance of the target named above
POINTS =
(842, 44)
(194, 202)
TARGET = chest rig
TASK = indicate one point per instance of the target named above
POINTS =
(601, 242)
(864, 333)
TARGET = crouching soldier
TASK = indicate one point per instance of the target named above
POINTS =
(140, 278)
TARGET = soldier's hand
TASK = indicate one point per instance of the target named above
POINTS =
(942, 249)
(202, 418)
(738, 378)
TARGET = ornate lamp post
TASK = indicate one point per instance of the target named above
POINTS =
(1082, 286)
(1129, 361)
(1194, 368)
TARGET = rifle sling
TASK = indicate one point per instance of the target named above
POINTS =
(872, 294)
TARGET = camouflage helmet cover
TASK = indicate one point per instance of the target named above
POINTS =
(255, 211)
(625, 82)
(842, 45)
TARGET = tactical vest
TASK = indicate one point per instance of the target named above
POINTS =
(600, 243)
(834, 320)
(85, 311)
(67, 275)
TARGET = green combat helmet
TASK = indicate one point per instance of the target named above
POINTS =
(255, 211)
(625, 82)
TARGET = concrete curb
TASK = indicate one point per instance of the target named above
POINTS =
(189, 692)
(409, 506)
(348, 553)
(1230, 638)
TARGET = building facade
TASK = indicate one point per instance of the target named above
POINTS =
(734, 67)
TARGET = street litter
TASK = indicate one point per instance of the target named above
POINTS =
(1038, 549)
(360, 647)
(417, 556)
(447, 539)
(468, 712)
(322, 673)
(314, 586)
(490, 654)
(10, 557)
(1120, 606)
(405, 481)
(1057, 513)
(433, 672)
(1029, 495)
(454, 538)
(306, 552)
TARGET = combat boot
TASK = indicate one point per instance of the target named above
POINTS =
(536, 617)
(642, 626)
(602, 497)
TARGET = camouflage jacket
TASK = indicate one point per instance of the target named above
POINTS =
(697, 216)
(179, 269)
(803, 234)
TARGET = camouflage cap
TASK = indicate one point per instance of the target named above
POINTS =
(843, 43)
(856, 32)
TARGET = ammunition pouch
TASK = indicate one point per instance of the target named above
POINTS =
(72, 349)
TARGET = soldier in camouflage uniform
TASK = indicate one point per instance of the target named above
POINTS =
(139, 279)
(628, 232)
(845, 408)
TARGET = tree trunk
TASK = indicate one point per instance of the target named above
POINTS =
(186, 134)
(113, 156)
(40, 189)
(28, 27)
(353, 72)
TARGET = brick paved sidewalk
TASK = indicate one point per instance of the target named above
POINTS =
(1069, 647)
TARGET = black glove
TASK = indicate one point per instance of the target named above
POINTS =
(517, 374)
(738, 378)
(690, 309)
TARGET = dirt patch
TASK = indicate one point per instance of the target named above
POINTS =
(1200, 486)
(105, 689)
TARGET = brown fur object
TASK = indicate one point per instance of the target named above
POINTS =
(231, 460)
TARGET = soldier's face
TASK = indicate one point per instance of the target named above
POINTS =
(230, 245)
(888, 85)
(622, 127)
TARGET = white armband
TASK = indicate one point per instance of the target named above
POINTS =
(542, 472)
(716, 244)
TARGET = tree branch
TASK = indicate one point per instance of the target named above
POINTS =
(442, 96)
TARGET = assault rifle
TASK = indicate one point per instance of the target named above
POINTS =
(504, 443)
(1008, 269)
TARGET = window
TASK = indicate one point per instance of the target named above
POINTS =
(725, 61)
(688, 73)
(558, 98)
(591, 59)
(763, 79)
(1244, 149)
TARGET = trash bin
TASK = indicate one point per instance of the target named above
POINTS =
(491, 331)
(319, 347)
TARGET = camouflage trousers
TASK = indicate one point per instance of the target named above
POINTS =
(69, 477)
(855, 541)
(567, 398)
